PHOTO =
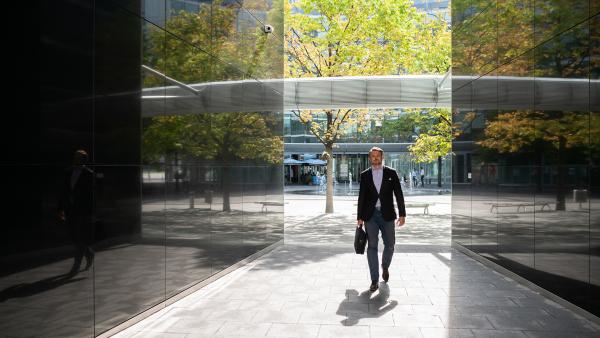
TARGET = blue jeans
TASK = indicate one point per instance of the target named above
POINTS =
(388, 234)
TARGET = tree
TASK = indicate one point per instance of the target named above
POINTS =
(435, 141)
(514, 131)
(356, 37)
(219, 52)
(506, 31)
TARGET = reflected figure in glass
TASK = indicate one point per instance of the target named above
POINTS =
(76, 208)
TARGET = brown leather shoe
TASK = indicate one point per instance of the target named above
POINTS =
(374, 286)
(385, 275)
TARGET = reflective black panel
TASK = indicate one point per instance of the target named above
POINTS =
(151, 160)
(117, 103)
(518, 165)
(484, 185)
(462, 116)
(45, 288)
(552, 17)
(533, 160)
(594, 189)
(562, 135)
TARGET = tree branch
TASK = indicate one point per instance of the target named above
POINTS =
(310, 127)
(307, 53)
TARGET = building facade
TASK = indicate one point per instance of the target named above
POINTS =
(526, 193)
(169, 194)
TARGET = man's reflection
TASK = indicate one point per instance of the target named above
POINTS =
(75, 208)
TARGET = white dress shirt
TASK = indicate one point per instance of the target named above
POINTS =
(377, 179)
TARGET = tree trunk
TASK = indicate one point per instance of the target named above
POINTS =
(329, 195)
(439, 171)
(560, 184)
(538, 172)
(226, 188)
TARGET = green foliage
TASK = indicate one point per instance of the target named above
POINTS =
(435, 139)
(212, 45)
(357, 37)
(223, 137)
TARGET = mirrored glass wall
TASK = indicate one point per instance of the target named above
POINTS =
(525, 104)
(152, 161)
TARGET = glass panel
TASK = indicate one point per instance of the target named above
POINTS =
(44, 290)
(517, 165)
(553, 17)
(125, 258)
(129, 206)
(461, 180)
(65, 119)
(43, 275)
(483, 34)
(515, 30)
(188, 149)
(484, 187)
(117, 51)
(562, 134)
(229, 22)
(594, 191)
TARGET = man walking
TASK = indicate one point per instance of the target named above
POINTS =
(76, 208)
(376, 211)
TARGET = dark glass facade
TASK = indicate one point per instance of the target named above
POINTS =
(170, 192)
(525, 98)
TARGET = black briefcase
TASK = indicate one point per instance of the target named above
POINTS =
(360, 240)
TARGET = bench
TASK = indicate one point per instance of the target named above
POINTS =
(497, 206)
(269, 204)
(425, 206)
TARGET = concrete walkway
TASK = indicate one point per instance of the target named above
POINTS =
(315, 286)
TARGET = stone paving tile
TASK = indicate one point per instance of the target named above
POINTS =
(230, 329)
(417, 320)
(293, 330)
(326, 331)
(454, 321)
(550, 334)
(395, 332)
(499, 334)
(446, 333)
(275, 316)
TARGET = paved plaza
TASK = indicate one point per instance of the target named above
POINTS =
(316, 286)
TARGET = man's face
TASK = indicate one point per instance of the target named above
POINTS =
(375, 158)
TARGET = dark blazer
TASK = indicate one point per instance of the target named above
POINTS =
(79, 200)
(367, 196)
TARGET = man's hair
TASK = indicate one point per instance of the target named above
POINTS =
(376, 149)
(80, 156)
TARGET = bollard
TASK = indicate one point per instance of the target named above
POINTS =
(192, 199)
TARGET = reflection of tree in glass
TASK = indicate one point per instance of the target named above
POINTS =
(563, 56)
(222, 46)
(222, 138)
(513, 132)
(357, 37)
(214, 44)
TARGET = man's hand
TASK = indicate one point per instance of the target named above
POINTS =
(359, 223)
(400, 221)
(61, 215)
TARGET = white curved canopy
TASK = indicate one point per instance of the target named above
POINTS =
(306, 93)
(409, 91)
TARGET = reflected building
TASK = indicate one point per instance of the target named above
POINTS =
(525, 101)
(182, 180)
